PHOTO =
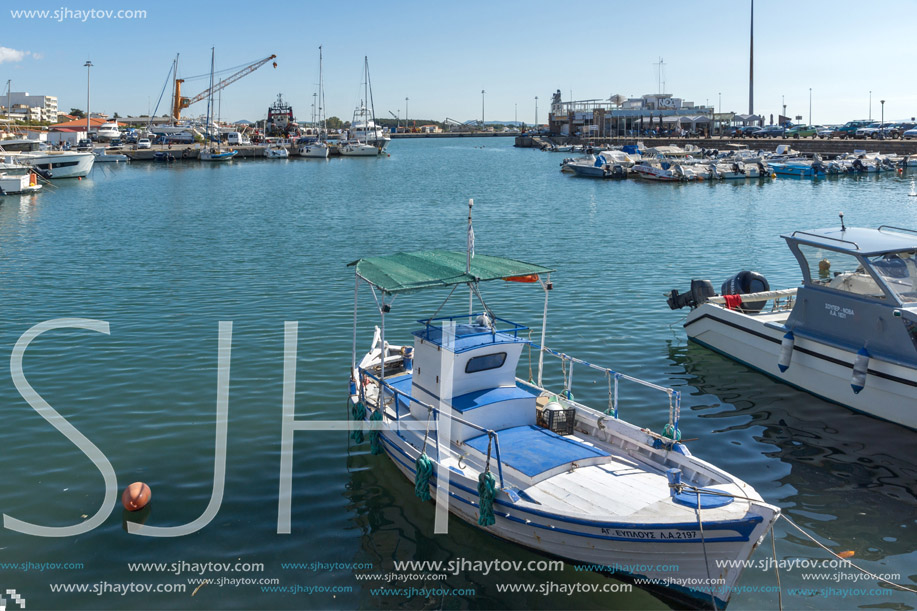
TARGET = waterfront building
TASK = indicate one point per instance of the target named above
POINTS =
(621, 116)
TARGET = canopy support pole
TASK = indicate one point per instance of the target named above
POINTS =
(469, 254)
(353, 356)
(546, 284)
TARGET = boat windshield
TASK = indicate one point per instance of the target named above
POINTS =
(840, 271)
(899, 270)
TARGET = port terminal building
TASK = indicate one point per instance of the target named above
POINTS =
(656, 113)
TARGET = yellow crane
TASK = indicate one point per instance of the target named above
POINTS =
(181, 102)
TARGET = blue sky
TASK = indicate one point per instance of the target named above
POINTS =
(441, 55)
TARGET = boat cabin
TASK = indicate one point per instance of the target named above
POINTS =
(472, 369)
(859, 285)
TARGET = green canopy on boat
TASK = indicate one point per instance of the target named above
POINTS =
(406, 272)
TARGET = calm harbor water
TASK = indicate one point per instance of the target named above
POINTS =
(163, 253)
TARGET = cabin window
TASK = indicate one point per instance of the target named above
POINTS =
(485, 362)
(899, 271)
(840, 271)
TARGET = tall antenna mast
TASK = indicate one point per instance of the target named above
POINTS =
(659, 77)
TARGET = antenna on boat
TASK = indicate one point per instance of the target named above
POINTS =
(469, 255)
(842, 222)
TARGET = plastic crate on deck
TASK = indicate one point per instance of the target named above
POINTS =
(560, 421)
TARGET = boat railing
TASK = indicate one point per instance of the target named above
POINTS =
(509, 328)
(433, 413)
(671, 430)
(781, 299)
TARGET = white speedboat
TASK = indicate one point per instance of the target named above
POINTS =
(359, 149)
(276, 151)
(533, 466)
(103, 156)
(848, 334)
(314, 149)
(661, 170)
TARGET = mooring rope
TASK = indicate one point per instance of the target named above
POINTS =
(777, 571)
(703, 541)
(862, 570)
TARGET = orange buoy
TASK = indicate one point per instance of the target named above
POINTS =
(847, 554)
(136, 496)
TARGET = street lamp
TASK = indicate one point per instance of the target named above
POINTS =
(482, 108)
(883, 112)
(783, 102)
(88, 65)
(810, 106)
(720, 94)
(536, 112)
(870, 104)
(406, 114)
(515, 112)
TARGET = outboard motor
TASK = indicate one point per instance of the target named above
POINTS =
(743, 283)
(858, 165)
(46, 174)
(699, 293)
(618, 171)
(818, 167)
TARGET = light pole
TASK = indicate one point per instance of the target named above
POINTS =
(406, 114)
(870, 104)
(810, 106)
(482, 108)
(8, 85)
(515, 113)
(88, 65)
(536, 112)
(720, 94)
(783, 102)
(883, 112)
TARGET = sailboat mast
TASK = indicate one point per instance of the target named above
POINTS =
(321, 96)
(210, 101)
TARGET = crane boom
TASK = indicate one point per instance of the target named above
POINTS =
(182, 102)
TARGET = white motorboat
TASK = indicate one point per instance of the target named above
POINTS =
(103, 156)
(314, 149)
(108, 131)
(359, 149)
(14, 181)
(660, 170)
(276, 151)
(57, 164)
(534, 466)
(848, 334)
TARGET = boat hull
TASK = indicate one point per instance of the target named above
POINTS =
(61, 165)
(630, 547)
(314, 151)
(823, 370)
(360, 150)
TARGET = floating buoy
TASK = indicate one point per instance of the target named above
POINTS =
(847, 554)
(136, 496)
(786, 351)
(860, 367)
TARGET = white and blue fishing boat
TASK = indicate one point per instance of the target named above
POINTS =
(534, 466)
(847, 335)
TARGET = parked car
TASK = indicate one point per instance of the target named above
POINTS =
(144, 143)
(825, 131)
(800, 131)
(848, 129)
(742, 131)
(896, 130)
(84, 145)
(870, 131)
(910, 134)
(114, 143)
(771, 131)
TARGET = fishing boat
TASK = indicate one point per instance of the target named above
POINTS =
(213, 152)
(533, 466)
(848, 334)
(318, 148)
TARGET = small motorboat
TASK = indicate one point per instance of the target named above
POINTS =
(848, 334)
(18, 181)
(276, 151)
(531, 465)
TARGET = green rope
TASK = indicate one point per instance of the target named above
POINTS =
(424, 468)
(375, 438)
(358, 411)
(671, 432)
(487, 489)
